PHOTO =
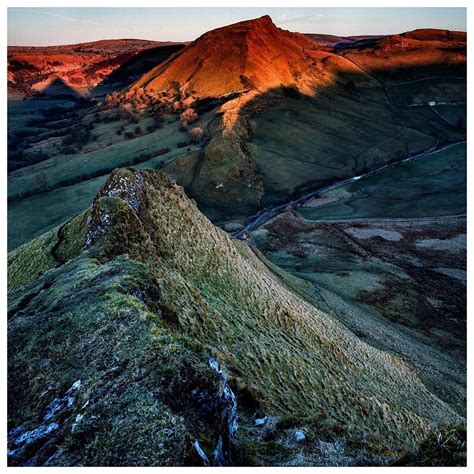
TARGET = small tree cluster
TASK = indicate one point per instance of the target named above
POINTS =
(188, 116)
(196, 134)
(78, 137)
(136, 98)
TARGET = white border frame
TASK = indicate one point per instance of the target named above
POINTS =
(215, 3)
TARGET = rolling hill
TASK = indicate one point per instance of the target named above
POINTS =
(253, 54)
(81, 66)
(272, 118)
(281, 136)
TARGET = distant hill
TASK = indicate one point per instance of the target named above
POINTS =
(411, 55)
(252, 54)
(334, 41)
(82, 66)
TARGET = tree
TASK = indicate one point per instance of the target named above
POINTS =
(184, 90)
(196, 134)
(188, 116)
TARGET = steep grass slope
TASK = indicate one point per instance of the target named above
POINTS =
(114, 355)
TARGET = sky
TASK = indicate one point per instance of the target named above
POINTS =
(52, 26)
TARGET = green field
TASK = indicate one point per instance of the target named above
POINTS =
(20, 111)
(422, 91)
(44, 194)
(428, 187)
(31, 216)
(302, 144)
(51, 173)
(455, 114)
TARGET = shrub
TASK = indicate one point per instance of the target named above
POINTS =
(184, 90)
(68, 150)
(79, 137)
(188, 116)
(196, 134)
(445, 446)
(20, 158)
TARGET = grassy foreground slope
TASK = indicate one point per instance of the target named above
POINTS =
(114, 351)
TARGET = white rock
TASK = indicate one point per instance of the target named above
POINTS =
(261, 421)
(299, 436)
(201, 453)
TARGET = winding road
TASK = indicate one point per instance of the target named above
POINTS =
(266, 214)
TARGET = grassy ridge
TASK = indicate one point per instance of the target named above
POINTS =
(156, 289)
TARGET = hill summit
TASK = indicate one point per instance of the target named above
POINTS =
(252, 54)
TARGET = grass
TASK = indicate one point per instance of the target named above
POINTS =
(47, 193)
(371, 250)
(242, 309)
(437, 89)
(446, 446)
(51, 173)
(94, 328)
(28, 218)
(297, 144)
(287, 146)
(20, 111)
(135, 318)
(437, 184)
(455, 114)
(28, 262)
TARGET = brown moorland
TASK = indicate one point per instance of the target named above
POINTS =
(81, 66)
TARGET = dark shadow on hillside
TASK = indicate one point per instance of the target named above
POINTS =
(60, 90)
(318, 156)
(134, 68)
